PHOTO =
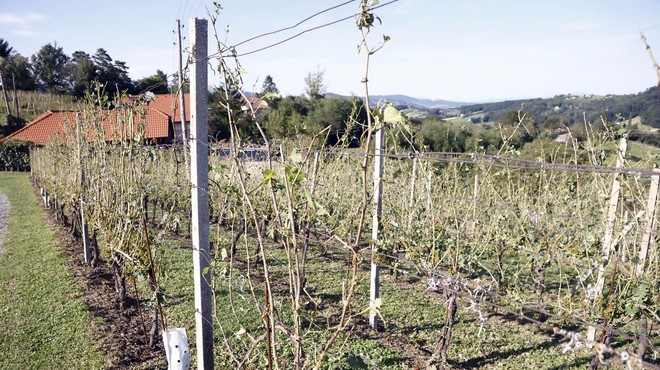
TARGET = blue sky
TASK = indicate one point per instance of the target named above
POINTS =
(475, 50)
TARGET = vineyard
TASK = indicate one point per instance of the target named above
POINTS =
(475, 245)
(368, 253)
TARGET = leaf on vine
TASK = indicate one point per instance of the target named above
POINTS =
(296, 158)
(268, 174)
(240, 333)
(356, 362)
(320, 210)
(392, 115)
(374, 309)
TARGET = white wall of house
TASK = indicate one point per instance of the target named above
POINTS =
(178, 134)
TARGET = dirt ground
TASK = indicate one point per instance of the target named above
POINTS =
(119, 332)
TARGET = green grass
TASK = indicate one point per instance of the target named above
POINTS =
(637, 153)
(43, 324)
(411, 314)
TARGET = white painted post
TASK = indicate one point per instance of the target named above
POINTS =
(609, 231)
(475, 196)
(429, 189)
(176, 349)
(411, 200)
(374, 291)
(199, 176)
(650, 222)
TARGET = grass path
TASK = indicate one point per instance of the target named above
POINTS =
(43, 323)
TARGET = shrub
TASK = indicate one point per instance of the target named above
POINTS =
(15, 156)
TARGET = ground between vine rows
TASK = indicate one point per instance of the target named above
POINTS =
(119, 335)
(122, 337)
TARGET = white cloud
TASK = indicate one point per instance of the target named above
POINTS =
(21, 20)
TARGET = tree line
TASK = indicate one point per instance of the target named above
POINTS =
(52, 70)
(310, 116)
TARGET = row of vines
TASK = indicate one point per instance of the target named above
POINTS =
(484, 233)
(526, 239)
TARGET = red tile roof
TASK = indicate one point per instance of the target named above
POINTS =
(169, 104)
(156, 118)
(256, 103)
(48, 124)
(117, 126)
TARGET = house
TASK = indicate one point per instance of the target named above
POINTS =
(253, 102)
(169, 104)
(162, 123)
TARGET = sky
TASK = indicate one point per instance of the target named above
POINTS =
(458, 50)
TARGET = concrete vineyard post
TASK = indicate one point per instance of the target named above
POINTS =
(374, 291)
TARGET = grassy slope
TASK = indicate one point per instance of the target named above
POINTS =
(42, 323)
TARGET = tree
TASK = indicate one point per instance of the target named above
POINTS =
(221, 107)
(5, 52)
(269, 89)
(5, 49)
(315, 88)
(17, 67)
(50, 68)
(122, 80)
(113, 75)
(344, 118)
(286, 119)
(84, 72)
(155, 83)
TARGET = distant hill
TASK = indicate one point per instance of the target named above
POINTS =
(410, 102)
(571, 109)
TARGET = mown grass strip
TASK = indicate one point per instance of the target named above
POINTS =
(43, 324)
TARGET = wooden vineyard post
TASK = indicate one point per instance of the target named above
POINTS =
(650, 222)
(374, 291)
(609, 231)
(199, 177)
(84, 231)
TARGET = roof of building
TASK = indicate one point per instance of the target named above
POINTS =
(117, 126)
(169, 104)
(155, 118)
(50, 123)
(256, 102)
